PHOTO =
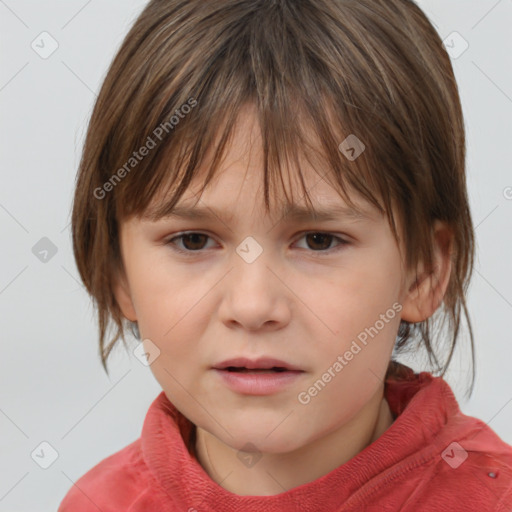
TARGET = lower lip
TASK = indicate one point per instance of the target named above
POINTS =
(258, 383)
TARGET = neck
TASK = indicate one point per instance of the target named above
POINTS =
(275, 473)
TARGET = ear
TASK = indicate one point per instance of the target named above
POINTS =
(123, 296)
(426, 288)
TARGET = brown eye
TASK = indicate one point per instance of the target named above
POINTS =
(193, 241)
(319, 241)
(323, 242)
(190, 242)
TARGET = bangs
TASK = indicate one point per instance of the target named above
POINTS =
(306, 110)
(286, 147)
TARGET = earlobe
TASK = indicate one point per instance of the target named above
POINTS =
(426, 291)
(123, 297)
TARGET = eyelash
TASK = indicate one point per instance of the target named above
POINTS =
(174, 247)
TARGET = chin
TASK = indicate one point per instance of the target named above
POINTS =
(255, 440)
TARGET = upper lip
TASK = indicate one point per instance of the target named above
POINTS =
(255, 364)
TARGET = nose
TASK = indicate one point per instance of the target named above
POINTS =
(255, 296)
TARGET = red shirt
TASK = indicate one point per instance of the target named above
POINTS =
(414, 466)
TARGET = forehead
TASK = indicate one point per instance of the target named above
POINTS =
(214, 203)
(302, 187)
(292, 212)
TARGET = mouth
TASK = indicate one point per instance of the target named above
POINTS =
(261, 377)
(237, 369)
(260, 365)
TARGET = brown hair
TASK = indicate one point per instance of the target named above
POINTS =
(373, 68)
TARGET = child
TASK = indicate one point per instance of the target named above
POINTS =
(276, 356)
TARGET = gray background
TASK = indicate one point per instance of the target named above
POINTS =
(53, 387)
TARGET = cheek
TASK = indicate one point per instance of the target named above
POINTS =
(350, 369)
(172, 315)
(354, 296)
(167, 296)
(361, 310)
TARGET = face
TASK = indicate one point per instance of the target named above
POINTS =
(323, 296)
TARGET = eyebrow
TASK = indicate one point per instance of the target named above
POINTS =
(297, 213)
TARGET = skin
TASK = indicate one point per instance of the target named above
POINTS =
(300, 301)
